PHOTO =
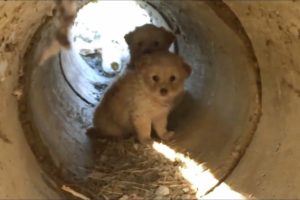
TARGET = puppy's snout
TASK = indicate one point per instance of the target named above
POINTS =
(163, 91)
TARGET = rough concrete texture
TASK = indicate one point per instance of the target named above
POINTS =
(270, 167)
(225, 87)
(21, 176)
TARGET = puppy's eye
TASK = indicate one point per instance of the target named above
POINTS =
(155, 78)
(172, 78)
(156, 43)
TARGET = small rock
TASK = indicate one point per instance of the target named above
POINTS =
(162, 191)
(186, 190)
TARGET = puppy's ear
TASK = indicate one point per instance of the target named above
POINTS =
(187, 68)
(169, 37)
(128, 38)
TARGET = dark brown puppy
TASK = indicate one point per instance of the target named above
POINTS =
(147, 39)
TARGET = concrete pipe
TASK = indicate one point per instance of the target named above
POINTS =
(239, 119)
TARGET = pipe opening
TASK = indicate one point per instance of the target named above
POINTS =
(99, 51)
(213, 124)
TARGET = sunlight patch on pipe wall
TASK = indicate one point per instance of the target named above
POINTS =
(200, 178)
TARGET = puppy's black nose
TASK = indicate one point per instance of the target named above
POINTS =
(163, 91)
(146, 51)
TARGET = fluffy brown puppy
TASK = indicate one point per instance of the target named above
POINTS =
(142, 98)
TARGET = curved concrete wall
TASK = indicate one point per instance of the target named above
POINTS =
(243, 91)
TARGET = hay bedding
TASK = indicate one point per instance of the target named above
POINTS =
(127, 170)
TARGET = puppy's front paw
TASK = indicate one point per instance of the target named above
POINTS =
(168, 135)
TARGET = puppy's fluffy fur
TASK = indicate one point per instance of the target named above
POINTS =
(147, 39)
(142, 98)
